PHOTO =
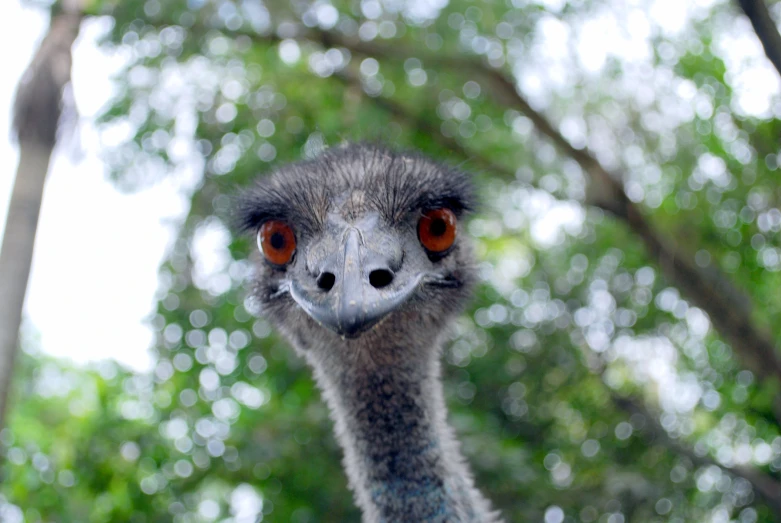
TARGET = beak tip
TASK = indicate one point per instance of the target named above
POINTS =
(353, 326)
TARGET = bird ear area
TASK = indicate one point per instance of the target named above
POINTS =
(277, 242)
(437, 230)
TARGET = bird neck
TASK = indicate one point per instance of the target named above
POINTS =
(401, 457)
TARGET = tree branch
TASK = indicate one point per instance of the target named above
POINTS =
(766, 29)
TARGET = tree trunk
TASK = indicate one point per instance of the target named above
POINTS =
(17, 253)
(37, 112)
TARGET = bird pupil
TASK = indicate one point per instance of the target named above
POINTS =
(277, 240)
(438, 227)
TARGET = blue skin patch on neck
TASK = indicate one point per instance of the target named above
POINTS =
(410, 488)
(426, 492)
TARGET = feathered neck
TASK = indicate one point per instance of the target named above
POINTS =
(401, 457)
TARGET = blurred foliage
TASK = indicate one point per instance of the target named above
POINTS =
(583, 386)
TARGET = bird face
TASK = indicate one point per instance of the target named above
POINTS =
(359, 236)
(360, 270)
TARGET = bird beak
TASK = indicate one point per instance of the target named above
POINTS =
(353, 305)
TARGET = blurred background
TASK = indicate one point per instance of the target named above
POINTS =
(620, 362)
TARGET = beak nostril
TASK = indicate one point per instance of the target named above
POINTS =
(326, 281)
(380, 278)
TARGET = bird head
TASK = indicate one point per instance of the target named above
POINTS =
(359, 240)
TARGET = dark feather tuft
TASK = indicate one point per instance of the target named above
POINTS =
(393, 183)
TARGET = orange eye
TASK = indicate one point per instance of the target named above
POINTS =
(437, 230)
(277, 242)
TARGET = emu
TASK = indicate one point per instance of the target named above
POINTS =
(361, 265)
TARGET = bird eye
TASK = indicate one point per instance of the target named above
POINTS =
(277, 242)
(437, 230)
